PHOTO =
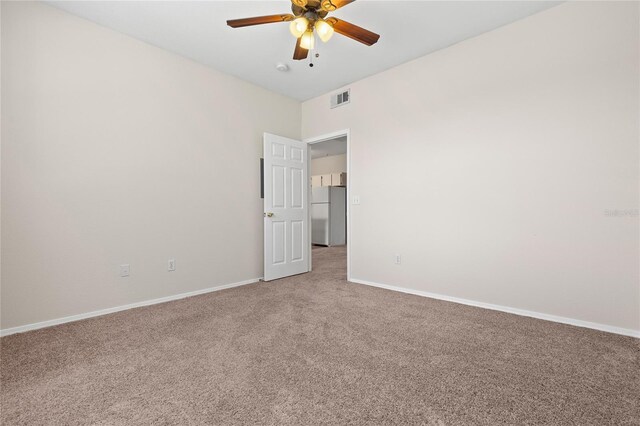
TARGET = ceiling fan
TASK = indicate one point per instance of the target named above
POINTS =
(307, 16)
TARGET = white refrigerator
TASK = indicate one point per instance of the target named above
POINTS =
(329, 215)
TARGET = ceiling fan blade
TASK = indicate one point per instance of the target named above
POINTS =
(353, 31)
(331, 5)
(299, 53)
(258, 20)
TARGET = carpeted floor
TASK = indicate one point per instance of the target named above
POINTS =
(315, 349)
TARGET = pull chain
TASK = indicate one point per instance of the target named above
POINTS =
(311, 55)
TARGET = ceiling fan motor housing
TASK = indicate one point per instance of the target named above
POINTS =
(312, 16)
(308, 13)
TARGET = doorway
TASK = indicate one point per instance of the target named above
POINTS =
(328, 165)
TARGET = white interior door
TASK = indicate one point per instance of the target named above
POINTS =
(286, 224)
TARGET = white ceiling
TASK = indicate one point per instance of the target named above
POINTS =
(332, 147)
(197, 30)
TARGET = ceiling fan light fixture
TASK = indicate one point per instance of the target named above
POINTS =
(324, 30)
(307, 41)
(298, 26)
(309, 17)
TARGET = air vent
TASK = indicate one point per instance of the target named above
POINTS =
(338, 99)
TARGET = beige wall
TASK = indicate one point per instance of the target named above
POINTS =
(329, 164)
(114, 152)
(493, 174)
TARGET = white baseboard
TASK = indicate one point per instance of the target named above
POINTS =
(522, 312)
(43, 324)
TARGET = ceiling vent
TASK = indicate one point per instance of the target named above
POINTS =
(339, 99)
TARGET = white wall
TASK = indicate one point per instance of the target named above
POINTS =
(492, 176)
(329, 164)
(114, 152)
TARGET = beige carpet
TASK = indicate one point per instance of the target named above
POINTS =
(315, 349)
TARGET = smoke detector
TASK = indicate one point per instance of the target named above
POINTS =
(282, 67)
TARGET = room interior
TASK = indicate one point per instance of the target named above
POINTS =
(328, 196)
(488, 156)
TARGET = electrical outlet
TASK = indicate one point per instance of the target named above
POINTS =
(124, 270)
(398, 259)
(356, 199)
(171, 265)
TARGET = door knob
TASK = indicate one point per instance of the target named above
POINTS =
(269, 214)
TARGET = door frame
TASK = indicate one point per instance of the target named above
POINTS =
(324, 138)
